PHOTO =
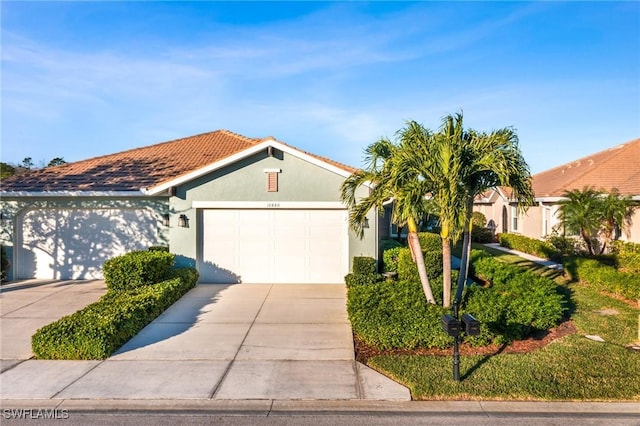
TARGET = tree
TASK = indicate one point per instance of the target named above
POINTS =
(57, 161)
(592, 213)
(27, 163)
(581, 212)
(490, 160)
(6, 170)
(390, 182)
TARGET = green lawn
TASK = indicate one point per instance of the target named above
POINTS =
(572, 368)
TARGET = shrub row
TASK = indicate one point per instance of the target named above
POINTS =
(137, 268)
(407, 269)
(604, 278)
(4, 263)
(529, 245)
(628, 256)
(99, 329)
(516, 302)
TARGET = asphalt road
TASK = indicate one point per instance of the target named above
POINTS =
(328, 419)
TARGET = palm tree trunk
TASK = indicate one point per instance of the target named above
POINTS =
(418, 258)
(446, 272)
(466, 251)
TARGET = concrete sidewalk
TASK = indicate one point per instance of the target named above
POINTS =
(219, 342)
(544, 262)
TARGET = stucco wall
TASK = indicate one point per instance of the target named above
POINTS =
(245, 181)
(14, 210)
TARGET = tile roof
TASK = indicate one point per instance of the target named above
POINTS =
(617, 167)
(141, 167)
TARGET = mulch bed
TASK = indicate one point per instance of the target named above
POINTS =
(364, 351)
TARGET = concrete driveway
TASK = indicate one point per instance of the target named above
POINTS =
(222, 342)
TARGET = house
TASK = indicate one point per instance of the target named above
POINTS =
(617, 167)
(239, 209)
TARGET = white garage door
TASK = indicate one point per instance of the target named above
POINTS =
(274, 246)
(74, 243)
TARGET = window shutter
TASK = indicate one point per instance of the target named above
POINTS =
(272, 182)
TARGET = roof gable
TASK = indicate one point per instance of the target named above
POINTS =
(617, 167)
(154, 168)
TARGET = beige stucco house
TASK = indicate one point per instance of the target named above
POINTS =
(617, 167)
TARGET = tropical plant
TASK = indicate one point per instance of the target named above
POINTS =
(593, 213)
(388, 181)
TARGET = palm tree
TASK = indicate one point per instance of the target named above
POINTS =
(490, 160)
(436, 161)
(617, 211)
(389, 182)
(581, 212)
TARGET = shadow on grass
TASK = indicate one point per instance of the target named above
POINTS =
(483, 361)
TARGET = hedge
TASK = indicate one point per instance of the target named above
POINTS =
(407, 269)
(364, 265)
(4, 263)
(99, 329)
(628, 255)
(604, 278)
(529, 245)
(516, 302)
(137, 268)
(430, 241)
(390, 259)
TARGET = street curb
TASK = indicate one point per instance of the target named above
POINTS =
(268, 407)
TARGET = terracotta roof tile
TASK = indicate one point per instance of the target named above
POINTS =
(141, 167)
(617, 167)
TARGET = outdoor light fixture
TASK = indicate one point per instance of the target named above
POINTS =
(366, 223)
(183, 221)
(452, 325)
(165, 219)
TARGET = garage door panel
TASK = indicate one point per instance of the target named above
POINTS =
(74, 243)
(275, 246)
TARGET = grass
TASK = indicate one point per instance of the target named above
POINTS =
(571, 368)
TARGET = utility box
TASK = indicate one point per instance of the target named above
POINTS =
(450, 325)
(471, 325)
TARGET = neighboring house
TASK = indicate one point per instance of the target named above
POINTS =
(239, 209)
(617, 167)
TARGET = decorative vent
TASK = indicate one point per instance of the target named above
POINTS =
(272, 182)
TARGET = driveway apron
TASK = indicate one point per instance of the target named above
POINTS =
(240, 341)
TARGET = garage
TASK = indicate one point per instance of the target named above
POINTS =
(74, 243)
(273, 246)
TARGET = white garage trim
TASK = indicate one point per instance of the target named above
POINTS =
(273, 245)
(303, 205)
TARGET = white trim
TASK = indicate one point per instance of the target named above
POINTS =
(549, 199)
(272, 170)
(300, 205)
(72, 194)
(241, 155)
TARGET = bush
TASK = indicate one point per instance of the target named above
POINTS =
(516, 303)
(565, 246)
(364, 265)
(136, 269)
(352, 280)
(628, 255)
(529, 245)
(4, 263)
(604, 278)
(407, 269)
(159, 248)
(390, 259)
(430, 241)
(391, 314)
(99, 329)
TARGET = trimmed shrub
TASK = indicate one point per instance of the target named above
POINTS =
(407, 269)
(628, 255)
(390, 259)
(99, 329)
(159, 248)
(352, 280)
(565, 246)
(516, 303)
(529, 245)
(390, 315)
(364, 265)
(137, 268)
(430, 241)
(604, 278)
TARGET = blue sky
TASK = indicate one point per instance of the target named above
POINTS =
(86, 79)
